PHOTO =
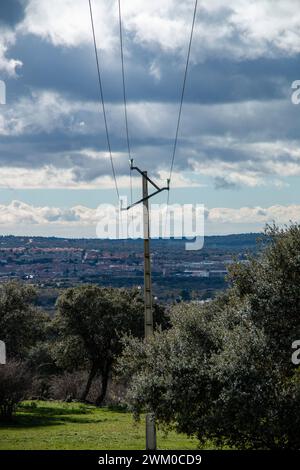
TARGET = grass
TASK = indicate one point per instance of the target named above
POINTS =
(74, 426)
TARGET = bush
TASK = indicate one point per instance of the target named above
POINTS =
(40, 388)
(15, 382)
(69, 387)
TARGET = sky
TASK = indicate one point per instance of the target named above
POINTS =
(238, 149)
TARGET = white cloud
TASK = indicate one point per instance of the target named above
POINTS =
(8, 66)
(239, 29)
(232, 143)
(49, 177)
(233, 173)
(42, 112)
(255, 215)
(18, 213)
(269, 22)
(52, 178)
(67, 22)
(179, 180)
(155, 71)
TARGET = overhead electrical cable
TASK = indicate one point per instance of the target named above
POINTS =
(183, 89)
(102, 101)
(181, 100)
(124, 93)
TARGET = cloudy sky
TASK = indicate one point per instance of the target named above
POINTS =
(238, 150)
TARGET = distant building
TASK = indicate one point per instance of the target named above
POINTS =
(196, 273)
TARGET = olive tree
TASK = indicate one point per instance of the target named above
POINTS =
(223, 371)
(21, 322)
(92, 321)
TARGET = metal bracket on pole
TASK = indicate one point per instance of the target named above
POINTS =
(144, 198)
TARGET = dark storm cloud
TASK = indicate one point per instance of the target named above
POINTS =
(72, 71)
(202, 139)
(12, 11)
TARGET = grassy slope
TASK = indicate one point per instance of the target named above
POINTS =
(56, 425)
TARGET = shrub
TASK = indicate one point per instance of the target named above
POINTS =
(15, 382)
(67, 386)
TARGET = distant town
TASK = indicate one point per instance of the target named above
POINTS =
(52, 264)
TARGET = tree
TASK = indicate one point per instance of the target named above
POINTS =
(270, 286)
(21, 323)
(223, 370)
(92, 320)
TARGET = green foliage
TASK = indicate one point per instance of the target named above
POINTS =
(98, 317)
(91, 322)
(41, 359)
(223, 371)
(21, 323)
(270, 285)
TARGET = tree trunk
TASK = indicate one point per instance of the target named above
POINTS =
(104, 383)
(91, 377)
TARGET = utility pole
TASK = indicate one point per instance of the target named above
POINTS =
(147, 261)
(150, 417)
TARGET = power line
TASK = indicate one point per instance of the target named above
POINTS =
(102, 100)
(124, 93)
(183, 89)
(181, 103)
(123, 79)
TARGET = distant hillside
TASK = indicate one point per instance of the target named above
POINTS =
(238, 242)
(53, 264)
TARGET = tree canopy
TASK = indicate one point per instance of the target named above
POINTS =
(92, 320)
(223, 371)
(21, 323)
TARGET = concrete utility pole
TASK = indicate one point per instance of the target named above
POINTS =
(147, 261)
(150, 418)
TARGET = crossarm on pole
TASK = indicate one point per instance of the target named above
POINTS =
(158, 189)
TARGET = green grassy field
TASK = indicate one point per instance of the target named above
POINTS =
(74, 426)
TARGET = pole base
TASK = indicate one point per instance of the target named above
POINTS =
(150, 432)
